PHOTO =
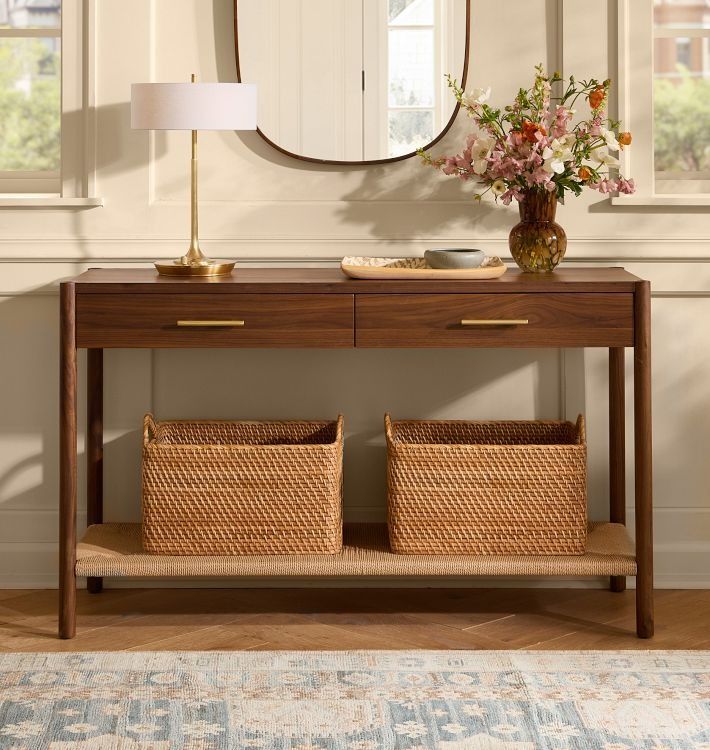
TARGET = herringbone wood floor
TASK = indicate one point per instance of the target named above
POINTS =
(201, 619)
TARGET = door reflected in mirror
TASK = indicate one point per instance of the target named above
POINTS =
(352, 80)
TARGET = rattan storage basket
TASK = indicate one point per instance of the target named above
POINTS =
(486, 488)
(242, 488)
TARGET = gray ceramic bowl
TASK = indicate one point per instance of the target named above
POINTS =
(454, 257)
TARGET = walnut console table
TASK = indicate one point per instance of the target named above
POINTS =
(299, 308)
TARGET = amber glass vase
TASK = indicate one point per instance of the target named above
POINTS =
(537, 242)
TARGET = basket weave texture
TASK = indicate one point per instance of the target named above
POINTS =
(242, 488)
(478, 488)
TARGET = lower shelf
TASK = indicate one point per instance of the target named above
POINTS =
(113, 550)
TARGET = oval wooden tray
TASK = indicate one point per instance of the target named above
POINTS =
(417, 268)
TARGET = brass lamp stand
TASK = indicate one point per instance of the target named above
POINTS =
(194, 262)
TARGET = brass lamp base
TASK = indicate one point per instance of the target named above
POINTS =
(210, 268)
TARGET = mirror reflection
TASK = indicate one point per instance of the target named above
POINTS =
(352, 80)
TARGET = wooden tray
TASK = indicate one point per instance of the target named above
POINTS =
(417, 268)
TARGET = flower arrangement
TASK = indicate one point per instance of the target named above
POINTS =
(533, 145)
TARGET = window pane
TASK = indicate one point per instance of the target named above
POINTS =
(411, 68)
(30, 14)
(409, 130)
(411, 12)
(30, 105)
(682, 14)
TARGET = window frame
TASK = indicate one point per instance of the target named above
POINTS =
(636, 37)
(73, 186)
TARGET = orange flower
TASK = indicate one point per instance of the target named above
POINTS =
(531, 129)
(584, 174)
(624, 139)
(596, 97)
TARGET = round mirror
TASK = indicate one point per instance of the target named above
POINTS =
(352, 81)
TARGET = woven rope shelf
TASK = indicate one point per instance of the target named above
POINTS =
(114, 550)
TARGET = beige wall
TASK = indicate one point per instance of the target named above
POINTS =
(266, 209)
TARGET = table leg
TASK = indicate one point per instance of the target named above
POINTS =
(617, 447)
(95, 447)
(67, 463)
(643, 460)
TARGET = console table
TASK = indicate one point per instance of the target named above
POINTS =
(298, 308)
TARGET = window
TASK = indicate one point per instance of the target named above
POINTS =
(681, 96)
(46, 103)
(664, 99)
(30, 96)
(413, 75)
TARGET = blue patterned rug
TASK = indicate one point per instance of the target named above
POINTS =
(374, 700)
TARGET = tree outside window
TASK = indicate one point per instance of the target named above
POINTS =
(30, 91)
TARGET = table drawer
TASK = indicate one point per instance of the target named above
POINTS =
(506, 320)
(214, 320)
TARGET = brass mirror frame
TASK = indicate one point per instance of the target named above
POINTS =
(366, 162)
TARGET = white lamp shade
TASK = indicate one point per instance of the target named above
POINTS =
(193, 106)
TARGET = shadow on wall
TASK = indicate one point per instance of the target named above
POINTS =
(29, 438)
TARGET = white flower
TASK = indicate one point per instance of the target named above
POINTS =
(606, 158)
(411, 729)
(476, 97)
(556, 154)
(498, 187)
(480, 151)
(609, 137)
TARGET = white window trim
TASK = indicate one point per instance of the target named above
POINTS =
(636, 38)
(77, 177)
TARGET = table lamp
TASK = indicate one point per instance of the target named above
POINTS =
(193, 106)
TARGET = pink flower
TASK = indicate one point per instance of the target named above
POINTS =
(509, 194)
(596, 128)
(604, 186)
(627, 187)
(563, 117)
(449, 166)
(538, 176)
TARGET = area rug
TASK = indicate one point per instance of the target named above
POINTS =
(357, 700)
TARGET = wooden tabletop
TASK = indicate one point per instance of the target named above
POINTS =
(334, 281)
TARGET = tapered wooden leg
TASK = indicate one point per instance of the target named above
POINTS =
(95, 447)
(617, 447)
(67, 463)
(643, 460)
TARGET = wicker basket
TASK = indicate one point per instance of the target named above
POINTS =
(487, 488)
(242, 488)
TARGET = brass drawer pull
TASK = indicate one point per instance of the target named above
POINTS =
(494, 322)
(211, 323)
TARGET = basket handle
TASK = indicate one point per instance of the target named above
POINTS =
(150, 428)
(339, 424)
(581, 431)
(389, 433)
